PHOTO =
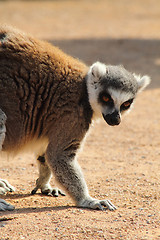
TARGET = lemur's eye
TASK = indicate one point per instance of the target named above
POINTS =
(126, 105)
(105, 99)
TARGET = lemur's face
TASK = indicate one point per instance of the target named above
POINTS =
(113, 104)
(112, 91)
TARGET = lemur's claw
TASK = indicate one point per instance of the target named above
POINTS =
(97, 204)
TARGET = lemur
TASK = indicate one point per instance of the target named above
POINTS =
(48, 101)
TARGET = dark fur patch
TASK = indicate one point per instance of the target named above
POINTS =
(41, 159)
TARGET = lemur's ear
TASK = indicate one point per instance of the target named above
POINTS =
(98, 70)
(143, 82)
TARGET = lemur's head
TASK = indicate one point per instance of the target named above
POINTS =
(112, 90)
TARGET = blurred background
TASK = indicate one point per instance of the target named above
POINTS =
(112, 31)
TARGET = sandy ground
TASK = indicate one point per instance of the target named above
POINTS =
(119, 163)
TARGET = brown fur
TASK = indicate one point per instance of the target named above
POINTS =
(39, 86)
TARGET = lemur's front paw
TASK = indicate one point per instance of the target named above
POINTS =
(4, 206)
(5, 187)
(49, 191)
(97, 204)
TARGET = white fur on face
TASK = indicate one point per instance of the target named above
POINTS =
(96, 71)
(119, 97)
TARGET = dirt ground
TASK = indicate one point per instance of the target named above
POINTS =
(119, 163)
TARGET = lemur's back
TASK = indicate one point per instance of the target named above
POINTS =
(36, 80)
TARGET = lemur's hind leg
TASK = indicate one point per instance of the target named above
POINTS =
(4, 184)
(44, 178)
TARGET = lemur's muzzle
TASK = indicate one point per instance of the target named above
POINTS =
(112, 119)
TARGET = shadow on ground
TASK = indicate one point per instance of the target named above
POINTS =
(35, 210)
(141, 56)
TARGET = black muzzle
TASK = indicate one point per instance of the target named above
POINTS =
(112, 119)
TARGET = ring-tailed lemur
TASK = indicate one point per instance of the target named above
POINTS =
(50, 100)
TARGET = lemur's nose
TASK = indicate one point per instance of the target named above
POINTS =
(112, 119)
